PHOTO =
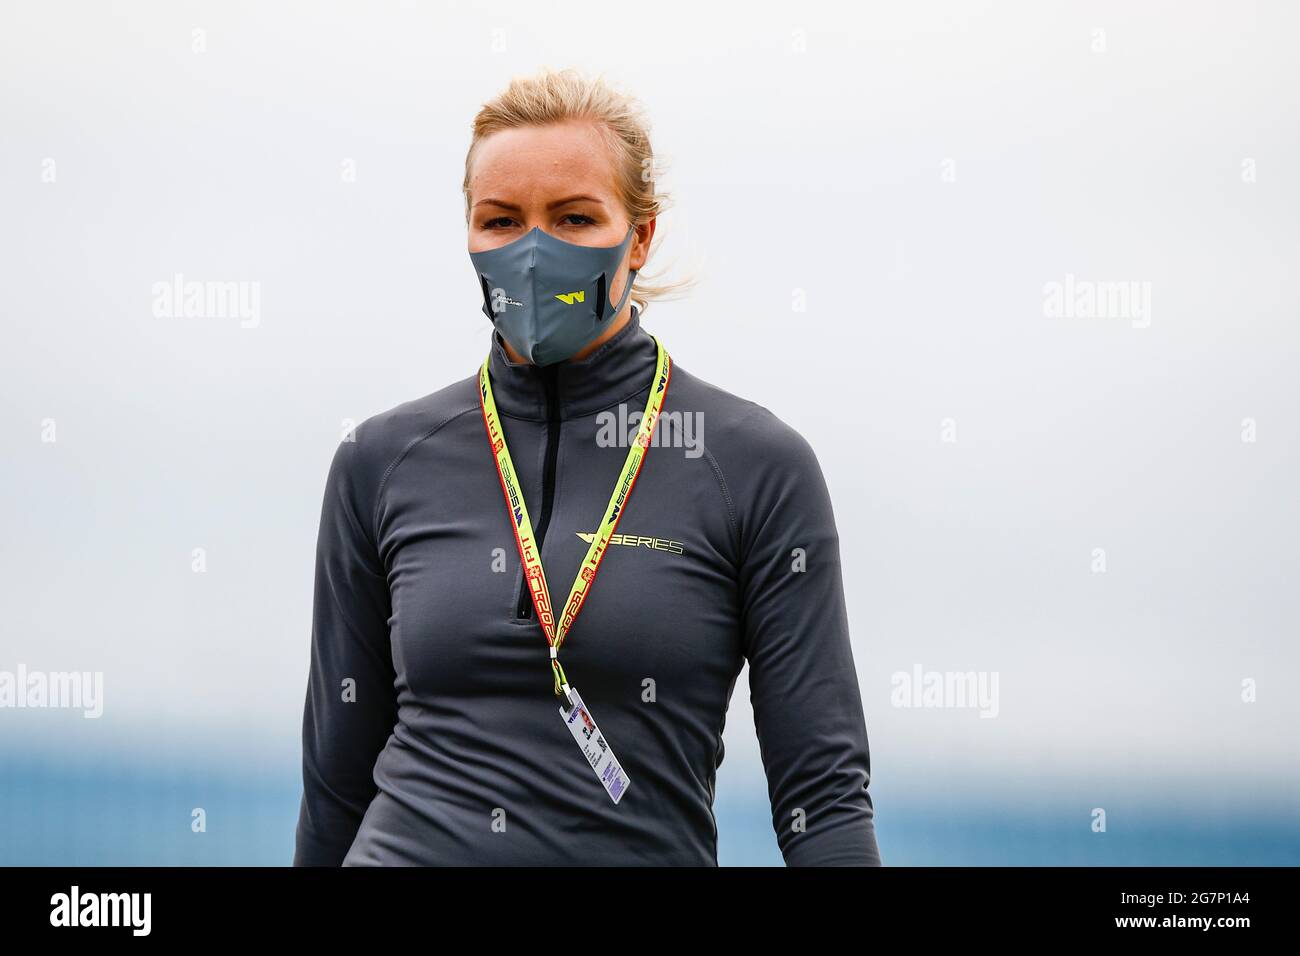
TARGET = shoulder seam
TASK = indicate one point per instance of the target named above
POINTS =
(401, 456)
(726, 496)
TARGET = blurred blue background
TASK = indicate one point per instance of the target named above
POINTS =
(133, 807)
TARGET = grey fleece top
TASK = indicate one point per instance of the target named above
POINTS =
(432, 733)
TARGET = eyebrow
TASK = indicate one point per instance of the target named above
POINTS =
(552, 205)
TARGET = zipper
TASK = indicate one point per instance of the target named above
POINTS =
(549, 374)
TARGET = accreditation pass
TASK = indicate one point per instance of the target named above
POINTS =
(593, 746)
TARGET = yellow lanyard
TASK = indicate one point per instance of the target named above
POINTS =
(529, 554)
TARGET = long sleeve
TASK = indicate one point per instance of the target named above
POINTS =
(351, 703)
(804, 689)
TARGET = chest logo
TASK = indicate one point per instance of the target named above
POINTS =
(638, 541)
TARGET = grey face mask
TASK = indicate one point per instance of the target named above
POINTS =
(549, 298)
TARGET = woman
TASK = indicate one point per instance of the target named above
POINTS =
(453, 524)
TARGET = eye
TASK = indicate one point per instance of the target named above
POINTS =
(583, 220)
(500, 222)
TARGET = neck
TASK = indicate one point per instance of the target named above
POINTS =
(618, 369)
(615, 326)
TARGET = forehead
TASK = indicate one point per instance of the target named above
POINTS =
(539, 162)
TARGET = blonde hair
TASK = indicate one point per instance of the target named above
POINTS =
(557, 96)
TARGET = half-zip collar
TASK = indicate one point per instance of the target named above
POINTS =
(614, 373)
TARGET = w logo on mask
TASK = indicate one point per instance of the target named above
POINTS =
(568, 298)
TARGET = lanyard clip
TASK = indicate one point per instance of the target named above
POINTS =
(561, 679)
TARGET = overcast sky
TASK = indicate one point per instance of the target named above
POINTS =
(876, 201)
